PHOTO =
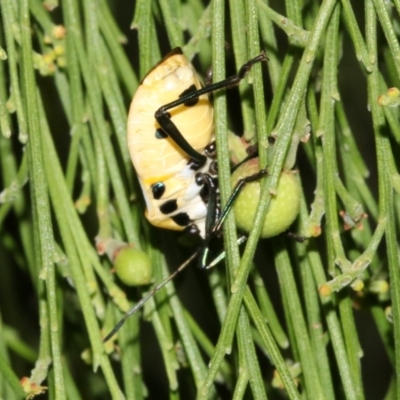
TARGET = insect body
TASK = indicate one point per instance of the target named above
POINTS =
(171, 143)
(170, 139)
(175, 196)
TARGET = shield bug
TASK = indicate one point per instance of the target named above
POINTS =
(171, 143)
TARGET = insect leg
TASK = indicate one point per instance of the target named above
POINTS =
(212, 199)
(213, 225)
(164, 118)
(221, 256)
(214, 230)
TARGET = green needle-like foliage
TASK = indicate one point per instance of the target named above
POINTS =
(277, 318)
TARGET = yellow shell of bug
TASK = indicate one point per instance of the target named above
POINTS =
(157, 159)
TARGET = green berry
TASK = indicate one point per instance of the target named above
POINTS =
(133, 267)
(284, 206)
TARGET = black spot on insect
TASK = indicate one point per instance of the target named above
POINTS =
(190, 102)
(160, 134)
(181, 219)
(158, 190)
(169, 206)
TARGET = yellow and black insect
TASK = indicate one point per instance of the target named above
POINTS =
(171, 143)
(167, 160)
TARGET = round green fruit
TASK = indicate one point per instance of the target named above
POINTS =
(133, 267)
(284, 206)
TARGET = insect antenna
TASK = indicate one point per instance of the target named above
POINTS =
(151, 293)
(158, 287)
